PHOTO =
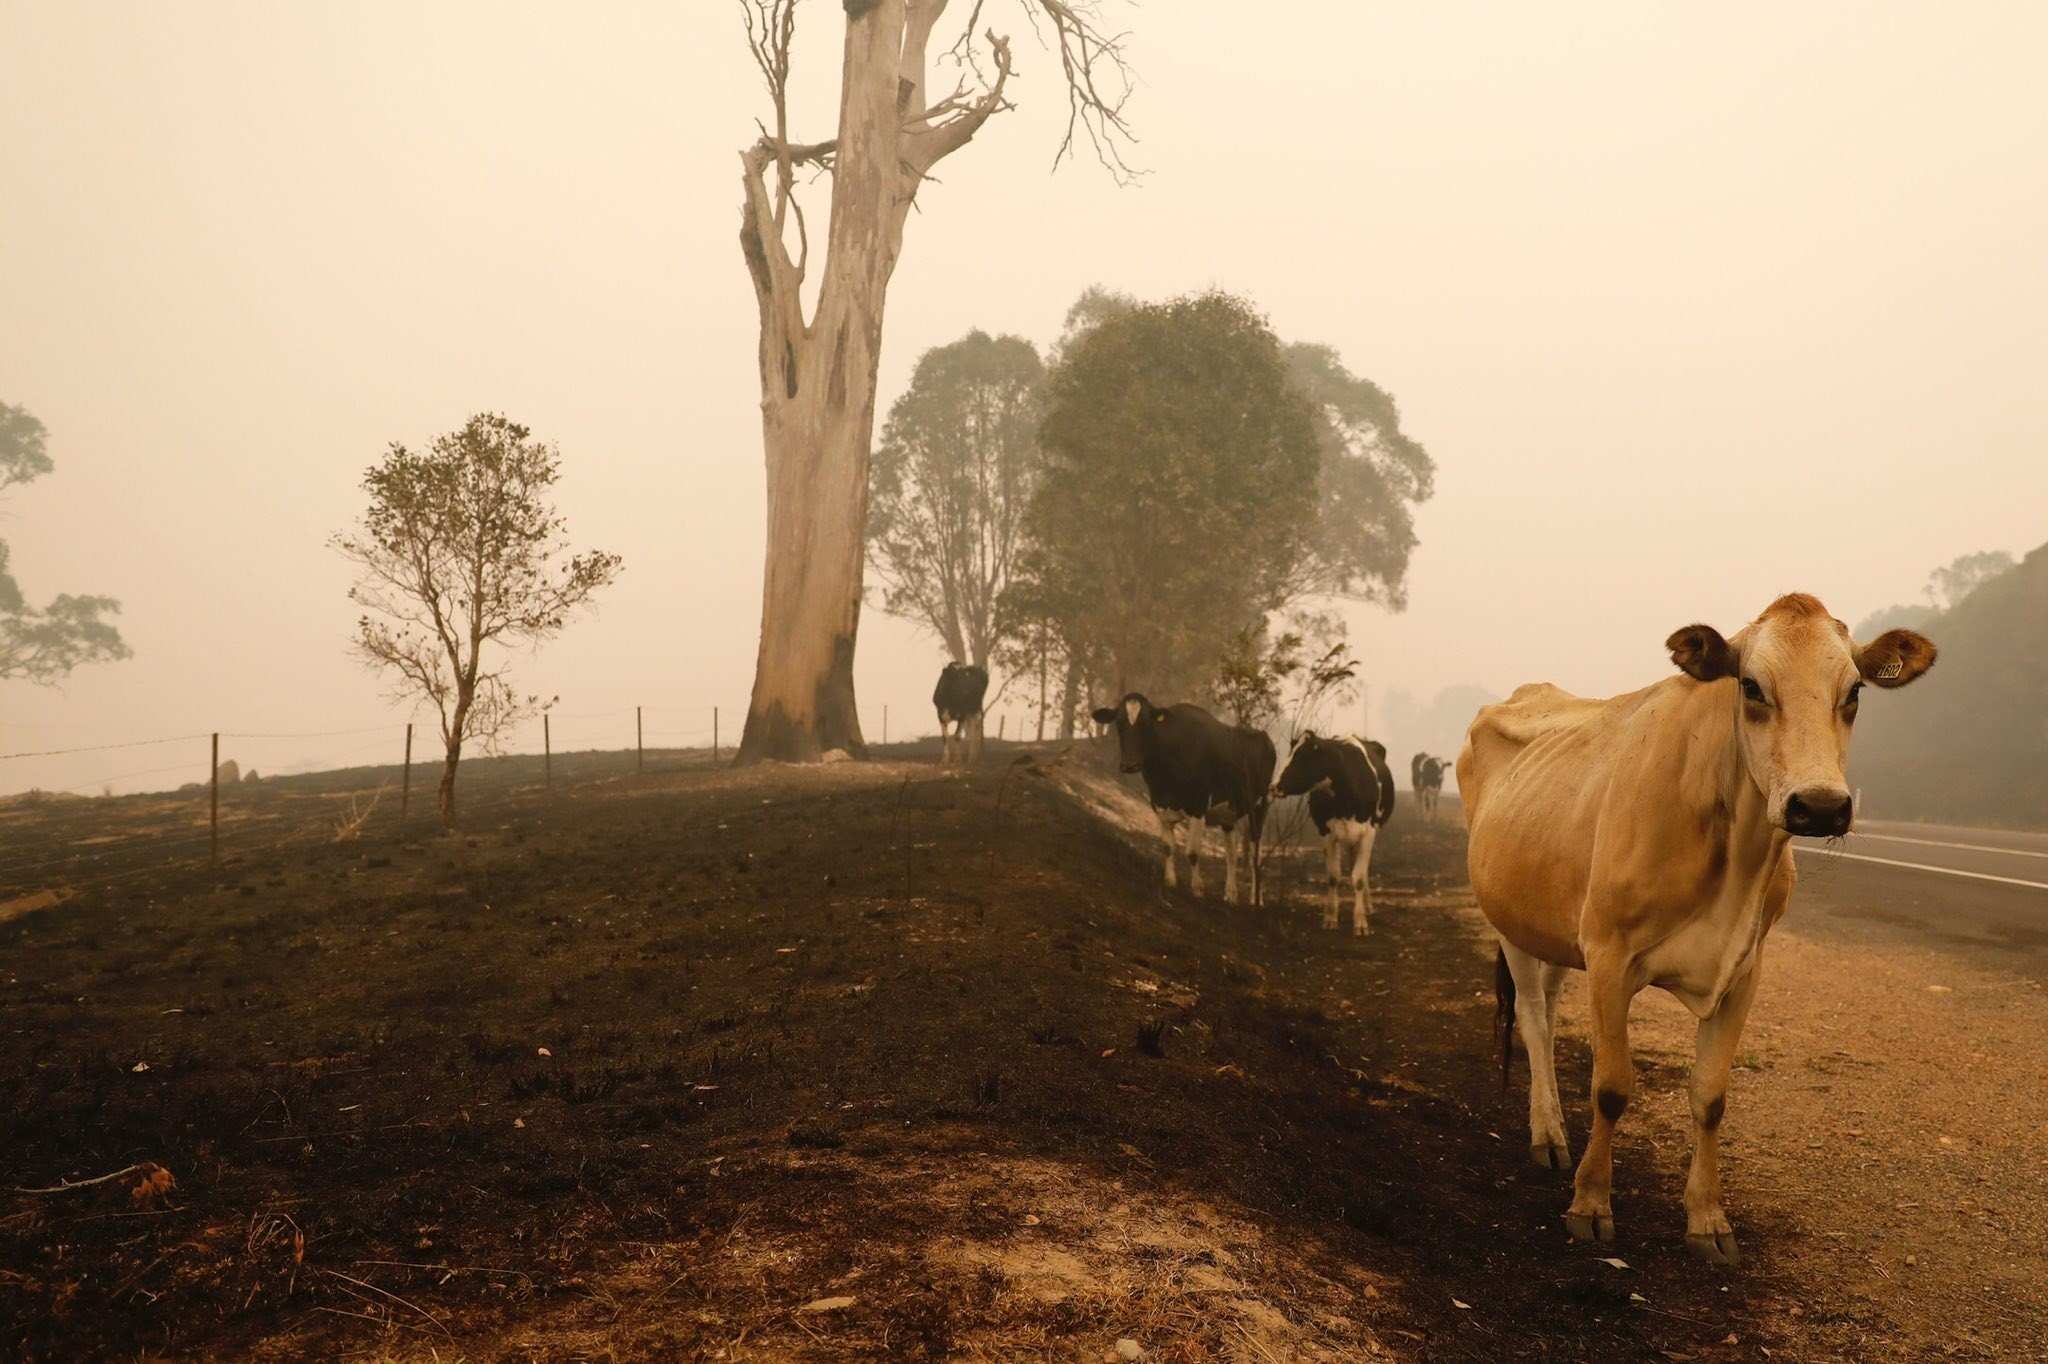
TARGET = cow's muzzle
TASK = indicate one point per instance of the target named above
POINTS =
(1819, 812)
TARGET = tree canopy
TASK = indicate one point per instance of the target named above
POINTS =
(950, 483)
(1179, 485)
(1200, 477)
(1969, 741)
(43, 644)
(462, 552)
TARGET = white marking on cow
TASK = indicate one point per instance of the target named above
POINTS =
(1923, 866)
(1169, 829)
(1131, 711)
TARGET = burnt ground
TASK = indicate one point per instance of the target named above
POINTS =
(876, 1062)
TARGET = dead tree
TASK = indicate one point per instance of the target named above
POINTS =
(818, 373)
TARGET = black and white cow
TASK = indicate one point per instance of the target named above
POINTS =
(958, 699)
(1350, 795)
(1198, 771)
(1426, 777)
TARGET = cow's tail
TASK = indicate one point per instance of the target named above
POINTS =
(1504, 1012)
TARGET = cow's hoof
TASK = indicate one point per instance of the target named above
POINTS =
(1361, 932)
(1589, 1226)
(1551, 1155)
(1329, 923)
(1716, 1247)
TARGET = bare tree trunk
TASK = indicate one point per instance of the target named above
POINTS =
(1043, 646)
(818, 378)
(1069, 697)
(445, 797)
(452, 731)
(803, 699)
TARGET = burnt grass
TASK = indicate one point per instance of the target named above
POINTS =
(337, 1050)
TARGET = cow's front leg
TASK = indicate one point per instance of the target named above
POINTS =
(1361, 886)
(1169, 829)
(1707, 1229)
(1333, 872)
(1194, 834)
(1610, 988)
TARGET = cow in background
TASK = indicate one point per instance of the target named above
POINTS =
(958, 699)
(1426, 778)
(1198, 771)
(1646, 839)
(1350, 792)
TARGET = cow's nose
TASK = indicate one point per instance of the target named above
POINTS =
(1818, 811)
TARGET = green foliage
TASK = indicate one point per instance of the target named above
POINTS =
(461, 551)
(1946, 586)
(1969, 741)
(22, 456)
(1263, 675)
(1178, 493)
(949, 485)
(1369, 476)
(43, 644)
(1903, 615)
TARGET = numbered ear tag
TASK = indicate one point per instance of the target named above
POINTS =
(1891, 670)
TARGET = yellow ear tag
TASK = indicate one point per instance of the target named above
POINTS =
(1891, 670)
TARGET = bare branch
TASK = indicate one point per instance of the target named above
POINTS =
(1099, 83)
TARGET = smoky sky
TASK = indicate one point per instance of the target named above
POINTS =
(1692, 305)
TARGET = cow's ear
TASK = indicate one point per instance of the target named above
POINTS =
(1699, 651)
(1895, 658)
(1105, 716)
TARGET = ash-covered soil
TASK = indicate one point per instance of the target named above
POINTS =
(866, 1061)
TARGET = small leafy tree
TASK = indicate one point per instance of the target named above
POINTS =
(463, 553)
(42, 644)
(1263, 676)
(948, 488)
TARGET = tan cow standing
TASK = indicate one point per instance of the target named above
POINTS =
(1646, 839)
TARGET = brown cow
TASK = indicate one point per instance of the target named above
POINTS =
(1645, 839)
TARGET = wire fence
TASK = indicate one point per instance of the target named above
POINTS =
(238, 804)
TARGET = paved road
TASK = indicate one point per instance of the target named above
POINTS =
(1981, 892)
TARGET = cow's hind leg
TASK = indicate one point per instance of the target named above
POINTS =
(1707, 1229)
(1361, 886)
(1538, 983)
(1591, 1215)
(1333, 869)
(1230, 848)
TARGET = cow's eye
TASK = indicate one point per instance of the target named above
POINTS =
(1849, 705)
(1751, 691)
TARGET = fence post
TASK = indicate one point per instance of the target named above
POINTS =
(1002, 726)
(547, 753)
(213, 819)
(639, 745)
(405, 782)
(714, 734)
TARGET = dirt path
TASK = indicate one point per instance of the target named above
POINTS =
(874, 1063)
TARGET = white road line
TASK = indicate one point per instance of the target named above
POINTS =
(1922, 866)
(1937, 843)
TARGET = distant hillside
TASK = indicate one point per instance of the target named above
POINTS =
(1969, 741)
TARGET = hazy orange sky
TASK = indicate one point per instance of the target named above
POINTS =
(1691, 304)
